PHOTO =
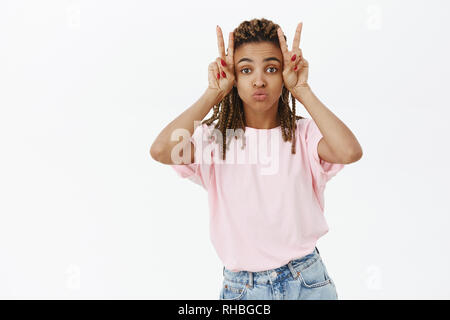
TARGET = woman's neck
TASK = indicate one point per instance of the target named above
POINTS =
(265, 120)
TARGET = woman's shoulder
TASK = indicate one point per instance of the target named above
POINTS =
(203, 131)
(303, 121)
(201, 127)
(302, 125)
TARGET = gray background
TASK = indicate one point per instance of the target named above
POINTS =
(86, 86)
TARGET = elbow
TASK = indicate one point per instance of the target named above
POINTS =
(155, 153)
(161, 154)
(354, 156)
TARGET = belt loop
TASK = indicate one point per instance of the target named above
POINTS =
(317, 250)
(250, 279)
(291, 268)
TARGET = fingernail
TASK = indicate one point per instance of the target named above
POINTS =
(295, 69)
(223, 74)
(218, 75)
(223, 62)
(294, 57)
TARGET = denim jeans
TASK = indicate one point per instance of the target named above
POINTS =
(304, 278)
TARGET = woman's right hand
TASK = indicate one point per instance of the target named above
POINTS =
(221, 76)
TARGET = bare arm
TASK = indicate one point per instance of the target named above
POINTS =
(339, 144)
(221, 79)
(161, 148)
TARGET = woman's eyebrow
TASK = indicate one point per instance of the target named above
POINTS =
(266, 59)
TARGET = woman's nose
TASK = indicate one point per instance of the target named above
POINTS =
(259, 81)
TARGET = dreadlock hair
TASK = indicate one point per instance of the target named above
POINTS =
(230, 112)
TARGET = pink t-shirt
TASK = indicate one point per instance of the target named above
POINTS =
(266, 204)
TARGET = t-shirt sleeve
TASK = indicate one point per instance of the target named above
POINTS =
(198, 172)
(322, 170)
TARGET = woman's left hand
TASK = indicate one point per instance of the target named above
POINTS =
(295, 69)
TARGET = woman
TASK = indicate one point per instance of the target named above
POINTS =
(264, 220)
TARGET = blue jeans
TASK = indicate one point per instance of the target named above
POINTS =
(304, 278)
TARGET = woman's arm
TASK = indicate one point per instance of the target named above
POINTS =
(339, 144)
(221, 79)
(161, 148)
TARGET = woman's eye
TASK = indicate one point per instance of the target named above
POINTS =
(267, 68)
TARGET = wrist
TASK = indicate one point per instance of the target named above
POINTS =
(302, 92)
(213, 95)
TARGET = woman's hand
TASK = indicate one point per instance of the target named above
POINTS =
(221, 76)
(295, 69)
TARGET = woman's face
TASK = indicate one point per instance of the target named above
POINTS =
(258, 66)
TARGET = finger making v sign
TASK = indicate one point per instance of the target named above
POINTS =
(295, 69)
(221, 71)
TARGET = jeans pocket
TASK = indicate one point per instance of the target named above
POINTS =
(315, 275)
(232, 290)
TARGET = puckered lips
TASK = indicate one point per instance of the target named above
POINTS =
(259, 95)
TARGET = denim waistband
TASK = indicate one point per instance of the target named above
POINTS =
(273, 275)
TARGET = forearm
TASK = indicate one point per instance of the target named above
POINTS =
(336, 134)
(162, 146)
